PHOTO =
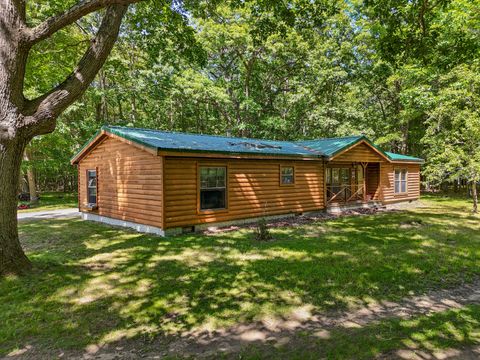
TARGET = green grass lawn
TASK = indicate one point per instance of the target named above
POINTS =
(95, 284)
(53, 201)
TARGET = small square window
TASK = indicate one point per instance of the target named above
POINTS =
(287, 175)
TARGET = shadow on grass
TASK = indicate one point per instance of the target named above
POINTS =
(95, 284)
(448, 335)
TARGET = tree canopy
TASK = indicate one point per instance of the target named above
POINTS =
(402, 73)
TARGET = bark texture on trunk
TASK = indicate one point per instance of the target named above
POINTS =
(475, 197)
(12, 257)
(32, 184)
(21, 119)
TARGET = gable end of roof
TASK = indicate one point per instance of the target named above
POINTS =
(106, 131)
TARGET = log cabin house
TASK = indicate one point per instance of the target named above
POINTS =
(169, 183)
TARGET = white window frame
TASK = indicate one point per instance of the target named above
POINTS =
(401, 179)
(92, 187)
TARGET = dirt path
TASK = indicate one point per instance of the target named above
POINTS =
(276, 332)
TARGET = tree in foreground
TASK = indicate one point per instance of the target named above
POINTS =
(20, 118)
(453, 134)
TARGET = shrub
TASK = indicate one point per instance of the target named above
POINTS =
(262, 232)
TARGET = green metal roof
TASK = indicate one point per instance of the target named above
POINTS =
(400, 157)
(176, 141)
(186, 142)
(330, 146)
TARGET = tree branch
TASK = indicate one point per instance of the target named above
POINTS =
(46, 108)
(55, 23)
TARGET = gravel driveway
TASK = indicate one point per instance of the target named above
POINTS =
(48, 214)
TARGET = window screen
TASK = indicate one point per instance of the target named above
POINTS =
(213, 184)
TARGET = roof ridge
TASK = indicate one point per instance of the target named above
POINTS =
(230, 137)
(333, 138)
(195, 134)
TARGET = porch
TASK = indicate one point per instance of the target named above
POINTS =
(353, 184)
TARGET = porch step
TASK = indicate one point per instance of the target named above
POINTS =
(339, 208)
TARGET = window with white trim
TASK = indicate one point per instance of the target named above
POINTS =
(92, 186)
(213, 186)
(400, 181)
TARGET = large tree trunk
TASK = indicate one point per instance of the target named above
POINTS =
(12, 140)
(12, 257)
(21, 119)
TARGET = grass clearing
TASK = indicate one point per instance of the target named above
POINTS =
(95, 284)
(52, 201)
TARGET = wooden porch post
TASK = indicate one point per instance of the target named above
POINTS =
(325, 195)
(364, 167)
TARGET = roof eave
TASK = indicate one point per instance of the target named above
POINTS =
(408, 161)
(236, 154)
(106, 131)
(87, 146)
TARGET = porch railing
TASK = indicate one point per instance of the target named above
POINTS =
(345, 193)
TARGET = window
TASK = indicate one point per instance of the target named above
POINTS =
(92, 186)
(287, 175)
(400, 181)
(213, 184)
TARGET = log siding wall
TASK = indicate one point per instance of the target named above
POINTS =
(373, 176)
(253, 189)
(386, 186)
(163, 191)
(387, 182)
(130, 182)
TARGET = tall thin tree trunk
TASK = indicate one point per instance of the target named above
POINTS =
(120, 109)
(134, 109)
(133, 60)
(12, 257)
(103, 102)
(22, 185)
(475, 197)
(32, 184)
